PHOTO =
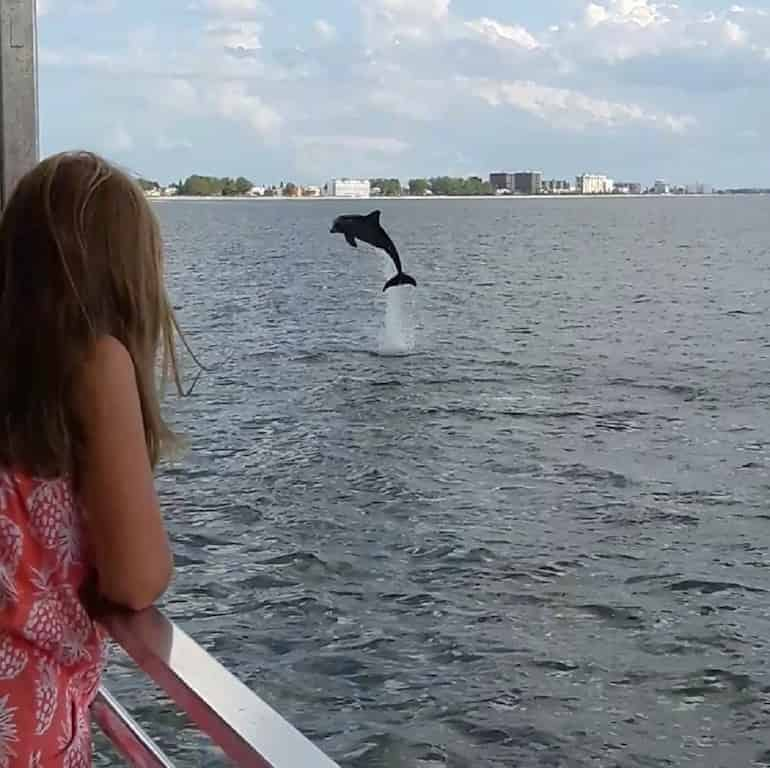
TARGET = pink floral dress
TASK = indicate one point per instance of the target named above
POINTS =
(51, 652)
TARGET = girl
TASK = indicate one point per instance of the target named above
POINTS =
(83, 312)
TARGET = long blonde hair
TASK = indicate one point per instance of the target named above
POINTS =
(80, 257)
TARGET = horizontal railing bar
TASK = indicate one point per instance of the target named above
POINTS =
(245, 727)
(126, 734)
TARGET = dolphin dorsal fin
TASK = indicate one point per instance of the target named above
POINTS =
(374, 216)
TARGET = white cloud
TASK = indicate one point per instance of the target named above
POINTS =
(675, 123)
(595, 15)
(325, 30)
(621, 30)
(240, 37)
(617, 30)
(639, 13)
(413, 20)
(567, 108)
(400, 10)
(496, 33)
(235, 8)
(733, 33)
(209, 62)
(233, 101)
(739, 9)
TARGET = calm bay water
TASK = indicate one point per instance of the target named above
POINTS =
(539, 539)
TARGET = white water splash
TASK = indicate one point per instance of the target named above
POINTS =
(397, 335)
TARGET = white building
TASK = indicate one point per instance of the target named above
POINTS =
(593, 184)
(348, 188)
(661, 188)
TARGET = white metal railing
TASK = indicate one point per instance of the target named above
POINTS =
(248, 730)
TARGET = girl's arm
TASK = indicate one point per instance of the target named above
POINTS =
(127, 538)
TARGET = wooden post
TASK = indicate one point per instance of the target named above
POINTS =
(19, 142)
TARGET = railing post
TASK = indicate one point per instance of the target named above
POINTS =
(19, 142)
(126, 735)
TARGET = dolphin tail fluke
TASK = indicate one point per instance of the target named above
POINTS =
(400, 279)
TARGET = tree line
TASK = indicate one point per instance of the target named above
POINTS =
(205, 186)
(450, 186)
(215, 186)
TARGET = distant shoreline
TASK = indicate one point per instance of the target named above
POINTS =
(255, 198)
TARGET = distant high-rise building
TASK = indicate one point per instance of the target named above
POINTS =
(528, 182)
(660, 187)
(501, 182)
(348, 188)
(593, 184)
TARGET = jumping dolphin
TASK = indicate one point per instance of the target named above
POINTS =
(368, 230)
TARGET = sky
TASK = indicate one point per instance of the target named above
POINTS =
(308, 90)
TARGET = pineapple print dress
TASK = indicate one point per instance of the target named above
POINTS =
(51, 653)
